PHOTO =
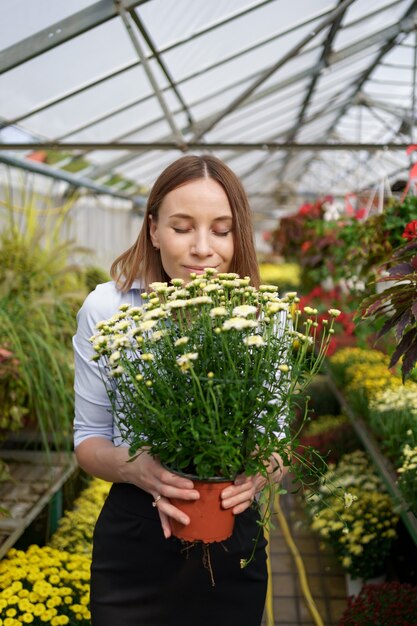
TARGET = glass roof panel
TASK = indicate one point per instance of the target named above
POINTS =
(354, 30)
(68, 66)
(20, 19)
(63, 118)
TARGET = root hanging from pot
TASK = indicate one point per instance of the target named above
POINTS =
(205, 547)
(207, 562)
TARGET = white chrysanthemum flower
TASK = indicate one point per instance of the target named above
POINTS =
(147, 356)
(270, 288)
(159, 287)
(283, 368)
(212, 287)
(113, 358)
(158, 334)
(147, 325)
(349, 499)
(227, 276)
(199, 300)
(218, 311)
(181, 341)
(254, 340)
(184, 360)
(276, 307)
(177, 304)
(117, 371)
(124, 307)
(238, 323)
(334, 312)
(244, 310)
(310, 311)
(179, 293)
(154, 314)
(177, 282)
(119, 341)
(121, 326)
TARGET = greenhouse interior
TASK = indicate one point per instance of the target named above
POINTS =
(313, 375)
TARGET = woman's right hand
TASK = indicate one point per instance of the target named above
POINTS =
(99, 457)
(148, 474)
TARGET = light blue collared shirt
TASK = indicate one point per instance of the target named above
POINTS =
(93, 414)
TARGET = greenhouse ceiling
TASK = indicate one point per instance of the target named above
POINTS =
(300, 97)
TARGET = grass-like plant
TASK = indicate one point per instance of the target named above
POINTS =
(40, 290)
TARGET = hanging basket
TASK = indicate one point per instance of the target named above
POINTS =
(209, 520)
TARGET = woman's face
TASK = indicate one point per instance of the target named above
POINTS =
(194, 229)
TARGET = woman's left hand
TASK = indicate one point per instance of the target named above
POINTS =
(241, 494)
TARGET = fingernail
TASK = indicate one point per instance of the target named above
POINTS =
(226, 494)
(184, 520)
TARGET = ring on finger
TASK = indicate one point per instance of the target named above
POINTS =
(155, 502)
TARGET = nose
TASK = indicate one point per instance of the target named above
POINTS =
(201, 245)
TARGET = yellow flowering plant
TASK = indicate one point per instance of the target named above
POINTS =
(204, 375)
(76, 526)
(407, 480)
(361, 530)
(44, 586)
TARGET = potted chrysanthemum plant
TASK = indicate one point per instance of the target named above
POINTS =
(204, 374)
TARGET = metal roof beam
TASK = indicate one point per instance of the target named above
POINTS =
(198, 145)
(274, 68)
(71, 179)
(405, 25)
(131, 65)
(60, 32)
(324, 62)
(99, 170)
(145, 34)
(126, 19)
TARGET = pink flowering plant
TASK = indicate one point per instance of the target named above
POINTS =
(204, 375)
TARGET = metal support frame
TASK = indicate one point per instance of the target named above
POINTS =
(198, 145)
(404, 25)
(274, 68)
(126, 19)
(145, 34)
(413, 112)
(59, 33)
(324, 62)
(71, 179)
(131, 65)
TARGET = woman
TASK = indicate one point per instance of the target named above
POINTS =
(197, 217)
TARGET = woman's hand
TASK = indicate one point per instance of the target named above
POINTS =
(148, 474)
(99, 457)
(241, 494)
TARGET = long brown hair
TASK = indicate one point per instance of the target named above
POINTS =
(142, 261)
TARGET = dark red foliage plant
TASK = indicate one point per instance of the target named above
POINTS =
(387, 604)
(397, 305)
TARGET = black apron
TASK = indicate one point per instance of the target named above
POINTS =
(139, 578)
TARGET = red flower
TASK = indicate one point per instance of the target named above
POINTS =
(306, 245)
(410, 231)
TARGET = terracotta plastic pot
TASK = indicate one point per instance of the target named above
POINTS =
(209, 520)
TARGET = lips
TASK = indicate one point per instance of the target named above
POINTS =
(198, 270)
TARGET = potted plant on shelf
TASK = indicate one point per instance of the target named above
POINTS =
(362, 535)
(204, 375)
